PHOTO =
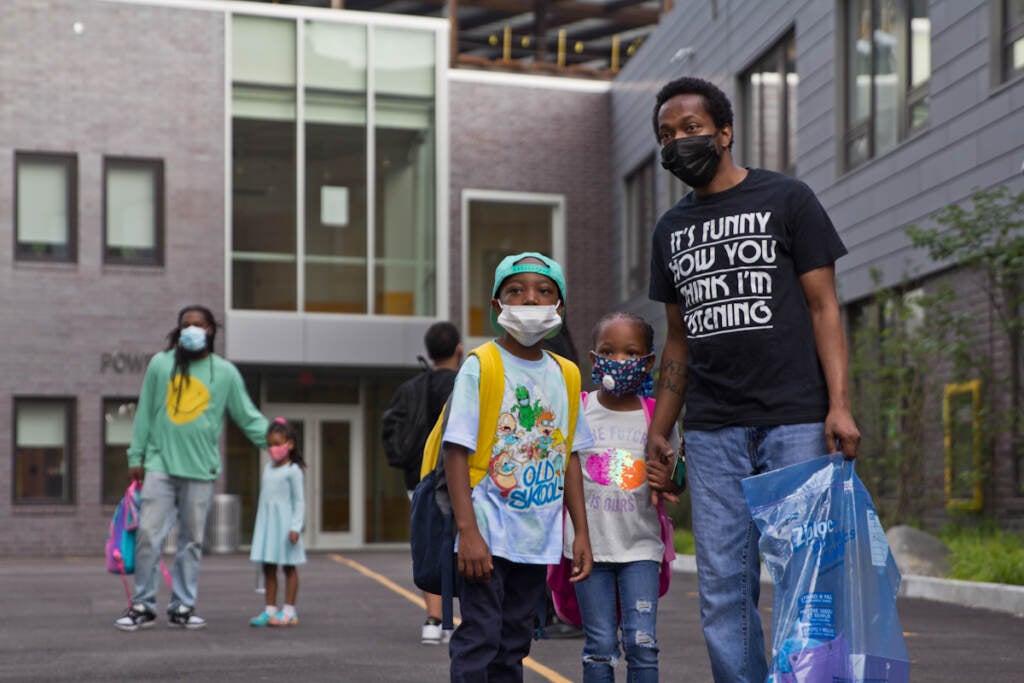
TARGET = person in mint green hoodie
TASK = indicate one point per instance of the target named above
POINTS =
(178, 422)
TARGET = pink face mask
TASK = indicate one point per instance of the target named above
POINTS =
(279, 453)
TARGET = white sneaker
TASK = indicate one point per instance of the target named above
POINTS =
(431, 634)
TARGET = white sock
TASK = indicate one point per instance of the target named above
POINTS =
(289, 611)
(271, 610)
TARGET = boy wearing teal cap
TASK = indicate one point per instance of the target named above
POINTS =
(510, 524)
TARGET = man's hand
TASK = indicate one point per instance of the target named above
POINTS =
(582, 559)
(293, 536)
(137, 473)
(474, 556)
(841, 433)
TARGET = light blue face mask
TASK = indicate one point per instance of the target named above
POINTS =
(193, 338)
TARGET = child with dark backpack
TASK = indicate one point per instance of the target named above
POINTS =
(507, 501)
(407, 421)
(280, 517)
(629, 532)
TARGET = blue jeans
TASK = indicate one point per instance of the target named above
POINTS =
(636, 586)
(166, 499)
(728, 564)
(497, 623)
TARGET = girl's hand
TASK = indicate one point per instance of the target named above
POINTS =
(659, 477)
(582, 559)
(293, 536)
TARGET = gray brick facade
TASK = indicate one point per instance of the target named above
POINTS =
(139, 82)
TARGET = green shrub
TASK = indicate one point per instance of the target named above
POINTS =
(986, 554)
(684, 541)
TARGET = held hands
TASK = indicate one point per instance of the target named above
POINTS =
(841, 433)
(582, 558)
(474, 556)
(137, 473)
(293, 536)
(661, 460)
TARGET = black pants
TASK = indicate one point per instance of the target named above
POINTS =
(497, 623)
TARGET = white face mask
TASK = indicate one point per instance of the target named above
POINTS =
(530, 324)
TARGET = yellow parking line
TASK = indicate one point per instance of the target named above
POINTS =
(417, 600)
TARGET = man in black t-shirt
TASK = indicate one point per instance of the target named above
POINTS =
(755, 349)
(444, 348)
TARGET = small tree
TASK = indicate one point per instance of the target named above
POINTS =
(898, 341)
(988, 238)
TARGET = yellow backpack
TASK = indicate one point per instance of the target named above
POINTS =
(492, 387)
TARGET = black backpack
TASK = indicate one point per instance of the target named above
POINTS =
(407, 421)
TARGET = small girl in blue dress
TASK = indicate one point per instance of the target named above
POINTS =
(280, 516)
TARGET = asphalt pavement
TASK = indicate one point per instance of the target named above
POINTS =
(358, 622)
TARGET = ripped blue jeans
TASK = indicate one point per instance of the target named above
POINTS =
(635, 612)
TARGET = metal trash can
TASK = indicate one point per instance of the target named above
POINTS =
(223, 524)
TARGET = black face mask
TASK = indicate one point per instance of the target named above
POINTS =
(693, 160)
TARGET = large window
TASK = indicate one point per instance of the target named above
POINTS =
(888, 69)
(769, 106)
(498, 224)
(639, 217)
(45, 206)
(133, 211)
(43, 448)
(118, 416)
(1008, 39)
(334, 167)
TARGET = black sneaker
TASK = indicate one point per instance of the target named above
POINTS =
(184, 618)
(135, 617)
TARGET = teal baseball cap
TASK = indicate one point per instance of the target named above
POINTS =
(510, 266)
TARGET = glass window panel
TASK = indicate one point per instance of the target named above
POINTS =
(753, 140)
(858, 53)
(497, 229)
(789, 134)
(335, 56)
(641, 210)
(335, 268)
(335, 459)
(42, 451)
(405, 231)
(44, 194)
(404, 62)
(886, 78)
(118, 416)
(1015, 60)
(131, 207)
(920, 43)
(41, 424)
(263, 50)
(263, 215)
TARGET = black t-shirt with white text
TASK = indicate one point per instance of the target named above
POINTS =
(733, 261)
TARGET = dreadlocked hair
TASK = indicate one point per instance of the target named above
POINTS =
(183, 358)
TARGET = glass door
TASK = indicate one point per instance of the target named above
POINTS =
(331, 439)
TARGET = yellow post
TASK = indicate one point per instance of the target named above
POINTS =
(615, 52)
(506, 52)
(561, 47)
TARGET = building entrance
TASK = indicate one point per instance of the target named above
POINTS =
(332, 443)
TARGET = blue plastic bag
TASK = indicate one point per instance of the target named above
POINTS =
(834, 616)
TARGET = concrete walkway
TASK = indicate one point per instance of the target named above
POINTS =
(359, 621)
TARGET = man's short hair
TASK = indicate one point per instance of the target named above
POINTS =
(441, 340)
(715, 102)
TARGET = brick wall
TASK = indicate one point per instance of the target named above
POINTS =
(135, 81)
(543, 140)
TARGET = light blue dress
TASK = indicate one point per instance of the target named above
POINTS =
(281, 508)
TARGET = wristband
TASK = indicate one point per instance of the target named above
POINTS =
(679, 472)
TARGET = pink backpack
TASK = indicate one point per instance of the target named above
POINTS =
(563, 593)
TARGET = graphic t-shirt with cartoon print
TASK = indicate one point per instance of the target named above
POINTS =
(732, 261)
(518, 505)
(178, 423)
(623, 522)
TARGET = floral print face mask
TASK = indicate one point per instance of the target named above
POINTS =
(623, 377)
